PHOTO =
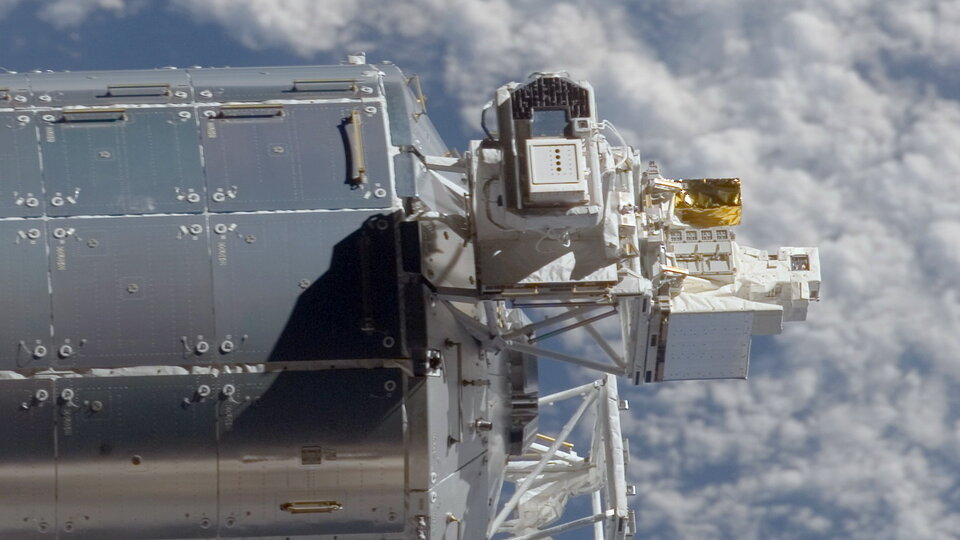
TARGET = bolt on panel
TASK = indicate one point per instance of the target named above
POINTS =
(137, 455)
(21, 182)
(14, 90)
(296, 156)
(25, 321)
(27, 459)
(121, 161)
(311, 453)
(131, 291)
(305, 286)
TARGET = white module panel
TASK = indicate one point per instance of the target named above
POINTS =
(556, 165)
(708, 346)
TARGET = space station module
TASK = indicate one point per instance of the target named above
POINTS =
(271, 302)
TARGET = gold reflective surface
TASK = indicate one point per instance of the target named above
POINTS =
(709, 202)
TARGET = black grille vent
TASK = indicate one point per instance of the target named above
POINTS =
(550, 92)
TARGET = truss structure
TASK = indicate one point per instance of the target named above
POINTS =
(547, 476)
(550, 472)
(524, 339)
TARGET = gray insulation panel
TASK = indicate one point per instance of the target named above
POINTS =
(130, 290)
(21, 183)
(140, 161)
(198, 456)
(300, 436)
(107, 88)
(285, 83)
(130, 173)
(299, 157)
(116, 434)
(161, 290)
(300, 286)
(23, 285)
(27, 470)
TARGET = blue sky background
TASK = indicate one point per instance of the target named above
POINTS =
(842, 118)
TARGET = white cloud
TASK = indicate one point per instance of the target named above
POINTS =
(842, 118)
(67, 13)
(310, 26)
(7, 5)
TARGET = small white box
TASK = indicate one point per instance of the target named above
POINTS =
(556, 166)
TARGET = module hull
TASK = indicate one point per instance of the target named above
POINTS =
(213, 326)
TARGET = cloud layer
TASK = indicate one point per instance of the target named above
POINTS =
(842, 118)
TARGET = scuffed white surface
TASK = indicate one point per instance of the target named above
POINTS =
(137, 371)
